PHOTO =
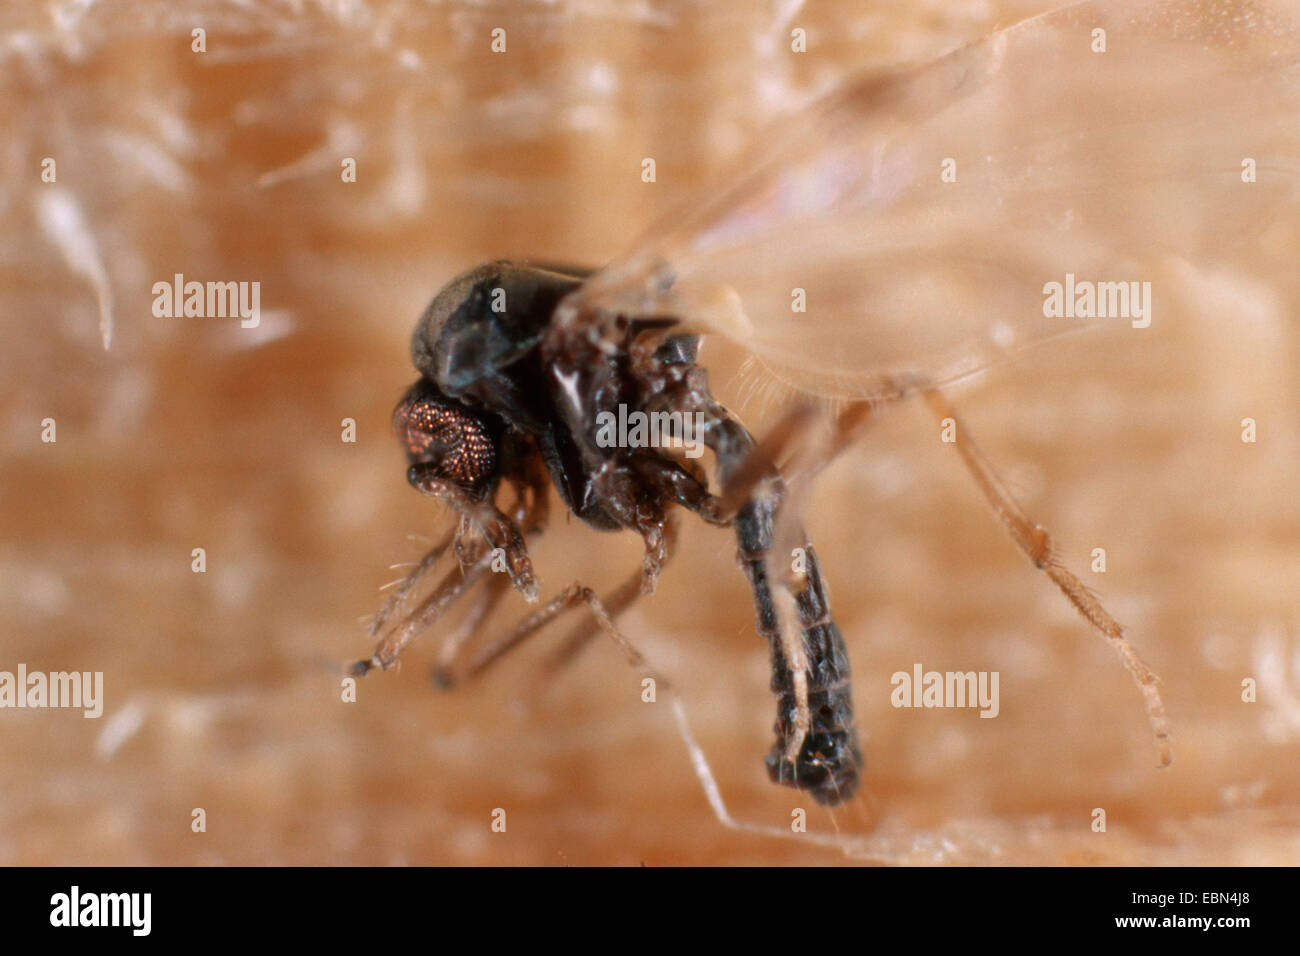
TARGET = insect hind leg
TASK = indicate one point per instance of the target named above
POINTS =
(1035, 541)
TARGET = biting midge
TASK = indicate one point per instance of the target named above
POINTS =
(508, 397)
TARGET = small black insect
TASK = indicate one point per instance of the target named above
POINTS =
(508, 398)
(919, 218)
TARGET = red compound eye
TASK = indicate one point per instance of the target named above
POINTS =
(444, 434)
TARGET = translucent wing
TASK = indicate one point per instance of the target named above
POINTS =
(923, 213)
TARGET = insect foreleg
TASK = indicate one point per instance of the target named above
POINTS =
(453, 585)
(404, 586)
(501, 532)
(475, 555)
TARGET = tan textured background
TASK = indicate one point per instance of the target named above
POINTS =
(223, 688)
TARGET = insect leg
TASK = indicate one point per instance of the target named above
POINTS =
(616, 602)
(576, 595)
(573, 596)
(406, 584)
(474, 558)
(493, 591)
(1036, 542)
(501, 532)
(453, 585)
(623, 499)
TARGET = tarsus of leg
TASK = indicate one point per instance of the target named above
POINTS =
(1036, 542)
(404, 585)
(489, 655)
(454, 584)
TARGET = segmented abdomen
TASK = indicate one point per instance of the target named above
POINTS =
(829, 762)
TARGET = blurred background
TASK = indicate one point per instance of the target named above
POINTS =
(223, 689)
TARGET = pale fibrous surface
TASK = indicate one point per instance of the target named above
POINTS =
(223, 689)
